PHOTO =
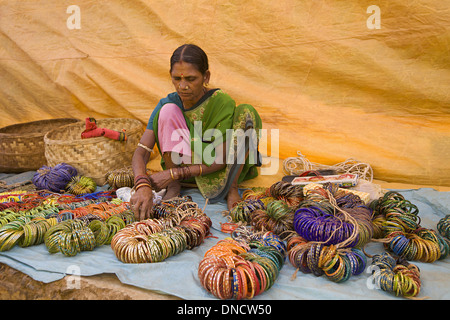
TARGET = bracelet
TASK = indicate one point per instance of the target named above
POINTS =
(145, 147)
(142, 180)
(200, 169)
(180, 173)
(142, 185)
(143, 176)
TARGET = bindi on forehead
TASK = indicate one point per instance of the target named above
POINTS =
(185, 71)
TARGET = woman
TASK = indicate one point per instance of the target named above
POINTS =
(199, 133)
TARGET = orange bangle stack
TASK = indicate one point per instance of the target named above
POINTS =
(241, 270)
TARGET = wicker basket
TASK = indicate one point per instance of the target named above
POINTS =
(22, 145)
(93, 157)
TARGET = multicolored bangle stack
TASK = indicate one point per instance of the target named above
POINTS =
(242, 211)
(337, 264)
(70, 237)
(271, 209)
(242, 268)
(332, 227)
(28, 222)
(154, 240)
(401, 233)
(168, 208)
(399, 277)
(277, 217)
(289, 193)
(79, 185)
(24, 231)
(443, 227)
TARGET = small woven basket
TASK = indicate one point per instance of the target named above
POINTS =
(22, 145)
(93, 157)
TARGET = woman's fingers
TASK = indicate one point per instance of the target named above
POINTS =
(141, 203)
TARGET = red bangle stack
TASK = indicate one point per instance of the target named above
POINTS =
(142, 181)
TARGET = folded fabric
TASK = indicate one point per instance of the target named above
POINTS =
(124, 194)
(92, 131)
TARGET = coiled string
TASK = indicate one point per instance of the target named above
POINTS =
(54, 178)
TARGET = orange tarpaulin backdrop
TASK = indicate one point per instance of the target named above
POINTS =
(335, 83)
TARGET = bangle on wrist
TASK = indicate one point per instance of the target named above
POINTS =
(145, 147)
(140, 177)
(142, 185)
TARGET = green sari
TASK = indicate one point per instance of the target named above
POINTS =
(218, 111)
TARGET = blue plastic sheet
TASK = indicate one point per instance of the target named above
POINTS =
(178, 274)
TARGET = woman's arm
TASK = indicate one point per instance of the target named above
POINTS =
(142, 200)
(162, 179)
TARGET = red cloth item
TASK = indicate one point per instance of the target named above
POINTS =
(92, 131)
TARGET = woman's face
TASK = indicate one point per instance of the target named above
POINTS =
(189, 82)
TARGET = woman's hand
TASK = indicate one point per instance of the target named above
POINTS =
(142, 203)
(161, 179)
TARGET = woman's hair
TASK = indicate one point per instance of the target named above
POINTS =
(192, 54)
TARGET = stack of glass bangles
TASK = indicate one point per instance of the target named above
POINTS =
(276, 217)
(331, 228)
(242, 269)
(280, 192)
(443, 227)
(25, 231)
(291, 194)
(154, 240)
(399, 277)
(242, 211)
(315, 224)
(401, 233)
(338, 264)
(27, 223)
(169, 207)
(72, 236)
(329, 216)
